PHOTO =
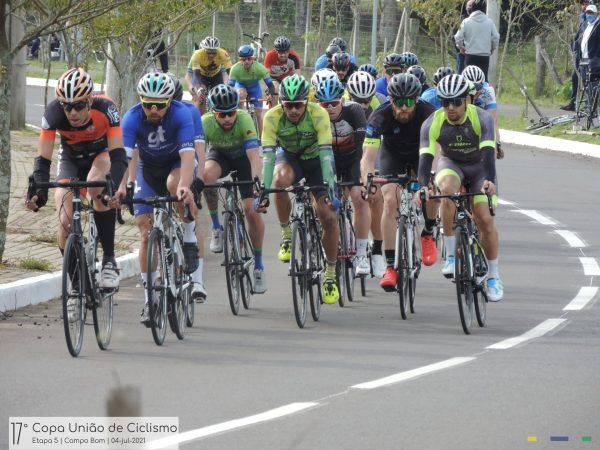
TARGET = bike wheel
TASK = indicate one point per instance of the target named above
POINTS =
(402, 267)
(179, 302)
(316, 270)
(156, 286)
(247, 272)
(232, 262)
(463, 277)
(480, 301)
(416, 266)
(103, 318)
(349, 270)
(73, 294)
(299, 271)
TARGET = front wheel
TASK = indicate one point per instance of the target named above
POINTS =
(73, 294)
(232, 262)
(316, 270)
(179, 303)
(157, 286)
(463, 277)
(299, 271)
(103, 318)
(402, 267)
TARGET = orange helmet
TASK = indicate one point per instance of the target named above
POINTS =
(74, 85)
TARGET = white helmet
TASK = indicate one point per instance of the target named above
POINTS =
(474, 74)
(453, 86)
(361, 85)
(322, 74)
(210, 43)
(156, 85)
(74, 85)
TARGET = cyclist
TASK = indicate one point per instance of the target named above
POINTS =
(282, 61)
(398, 122)
(91, 145)
(410, 59)
(348, 129)
(233, 145)
(315, 80)
(245, 76)
(465, 135)
(343, 66)
(337, 44)
(430, 95)
(301, 133)
(484, 97)
(163, 131)
(393, 64)
(370, 69)
(208, 67)
(421, 75)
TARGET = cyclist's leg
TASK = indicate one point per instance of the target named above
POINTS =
(449, 178)
(287, 171)
(204, 86)
(391, 164)
(67, 169)
(243, 93)
(214, 168)
(254, 91)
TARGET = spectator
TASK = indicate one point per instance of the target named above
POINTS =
(54, 47)
(477, 37)
(33, 48)
(576, 48)
(590, 45)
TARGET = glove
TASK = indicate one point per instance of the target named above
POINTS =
(41, 174)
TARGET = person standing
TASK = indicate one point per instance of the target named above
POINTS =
(477, 37)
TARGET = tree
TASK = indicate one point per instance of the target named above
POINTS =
(442, 20)
(388, 21)
(52, 16)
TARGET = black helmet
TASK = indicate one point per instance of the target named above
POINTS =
(178, 95)
(410, 59)
(370, 69)
(282, 44)
(418, 72)
(440, 73)
(223, 98)
(339, 42)
(404, 85)
(394, 60)
(332, 50)
(340, 61)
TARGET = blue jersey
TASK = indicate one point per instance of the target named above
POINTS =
(159, 144)
(486, 98)
(322, 61)
(381, 85)
(198, 130)
(431, 97)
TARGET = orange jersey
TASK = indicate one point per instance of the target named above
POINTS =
(278, 70)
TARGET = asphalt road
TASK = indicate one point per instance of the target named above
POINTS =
(235, 367)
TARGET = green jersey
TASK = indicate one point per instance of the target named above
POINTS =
(248, 77)
(235, 141)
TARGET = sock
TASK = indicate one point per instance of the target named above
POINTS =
(493, 268)
(390, 256)
(197, 275)
(105, 223)
(189, 235)
(286, 231)
(144, 281)
(258, 262)
(428, 228)
(377, 245)
(361, 247)
(449, 243)
(330, 270)
(214, 216)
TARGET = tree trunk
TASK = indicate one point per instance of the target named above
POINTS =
(407, 43)
(540, 68)
(300, 23)
(18, 71)
(5, 97)
(306, 32)
(493, 12)
(388, 20)
(262, 17)
(321, 24)
(238, 26)
(356, 29)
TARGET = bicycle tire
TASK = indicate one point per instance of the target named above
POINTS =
(349, 270)
(73, 288)
(402, 267)
(247, 272)
(190, 313)
(178, 303)
(232, 266)
(316, 268)
(156, 287)
(479, 295)
(463, 273)
(102, 308)
(299, 272)
(416, 264)
(340, 265)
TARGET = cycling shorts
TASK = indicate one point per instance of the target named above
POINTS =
(211, 82)
(72, 164)
(253, 91)
(309, 169)
(395, 164)
(152, 181)
(241, 164)
(348, 168)
(471, 174)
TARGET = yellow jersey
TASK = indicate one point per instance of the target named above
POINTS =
(199, 61)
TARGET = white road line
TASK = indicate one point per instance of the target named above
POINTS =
(403, 376)
(584, 296)
(533, 214)
(540, 330)
(199, 433)
(590, 266)
(572, 239)
(505, 202)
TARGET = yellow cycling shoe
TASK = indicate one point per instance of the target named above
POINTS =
(330, 292)
(285, 250)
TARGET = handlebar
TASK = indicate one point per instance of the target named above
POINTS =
(155, 201)
(73, 183)
(402, 179)
(460, 198)
(256, 38)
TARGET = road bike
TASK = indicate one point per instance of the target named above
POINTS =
(257, 45)
(81, 269)
(345, 269)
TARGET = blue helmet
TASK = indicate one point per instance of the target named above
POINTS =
(245, 50)
(329, 89)
(369, 68)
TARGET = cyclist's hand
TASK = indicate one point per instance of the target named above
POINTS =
(32, 203)
(333, 202)
(488, 187)
(260, 205)
(115, 201)
(185, 195)
(500, 152)
(421, 192)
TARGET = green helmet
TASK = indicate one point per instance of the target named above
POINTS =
(294, 88)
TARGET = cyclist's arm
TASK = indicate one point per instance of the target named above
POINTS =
(371, 145)
(250, 143)
(199, 142)
(133, 162)
(269, 143)
(225, 73)
(427, 151)
(322, 126)
(487, 144)
(185, 141)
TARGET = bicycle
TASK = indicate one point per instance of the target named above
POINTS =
(345, 269)
(470, 264)
(237, 248)
(80, 289)
(170, 290)
(588, 106)
(307, 260)
(257, 44)
(251, 108)
(407, 261)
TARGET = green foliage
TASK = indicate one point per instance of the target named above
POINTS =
(439, 15)
(35, 264)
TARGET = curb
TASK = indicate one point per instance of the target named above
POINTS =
(34, 290)
(550, 143)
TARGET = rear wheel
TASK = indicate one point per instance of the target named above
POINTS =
(463, 277)
(156, 287)
(402, 267)
(299, 271)
(232, 262)
(73, 294)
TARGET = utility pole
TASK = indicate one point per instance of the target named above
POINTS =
(493, 12)
(374, 34)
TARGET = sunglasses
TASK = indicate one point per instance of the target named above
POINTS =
(456, 102)
(247, 58)
(362, 101)
(211, 53)
(294, 105)
(77, 106)
(155, 104)
(393, 71)
(222, 115)
(332, 103)
(478, 87)
(408, 102)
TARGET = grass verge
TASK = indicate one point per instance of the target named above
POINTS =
(519, 124)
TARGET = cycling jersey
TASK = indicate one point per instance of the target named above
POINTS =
(279, 70)
(348, 131)
(248, 77)
(198, 130)
(431, 97)
(159, 144)
(376, 100)
(486, 98)
(322, 61)
(381, 86)
(199, 61)
(469, 142)
(351, 69)
(235, 141)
